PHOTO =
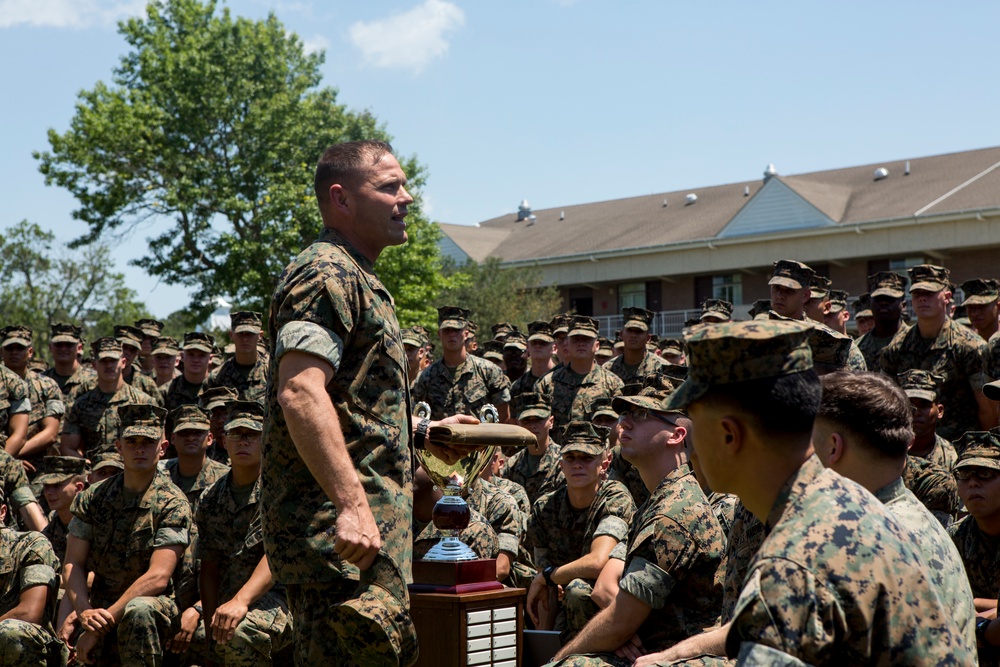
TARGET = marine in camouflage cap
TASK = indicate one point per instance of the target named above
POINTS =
(533, 404)
(982, 302)
(819, 287)
(887, 283)
(411, 337)
(581, 325)
(920, 384)
(830, 350)
(105, 460)
(716, 310)
(540, 330)
(560, 324)
(585, 437)
(516, 340)
(838, 300)
(245, 321)
(166, 345)
(245, 414)
(150, 327)
(129, 335)
(637, 318)
(605, 351)
(791, 274)
(760, 307)
(493, 351)
(199, 340)
(980, 292)
(864, 318)
(929, 278)
(453, 317)
(106, 347)
(671, 350)
(189, 417)
(16, 335)
(141, 420)
(59, 469)
(601, 409)
(66, 333)
(978, 449)
(501, 330)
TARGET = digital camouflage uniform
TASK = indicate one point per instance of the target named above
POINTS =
(724, 507)
(673, 565)
(14, 399)
(123, 534)
(133, 378)
(231, 536)
(944, 563)
(981, 556)
(94, 417)
(56, 533)
(525, 384)
(957, 355)
(329, 303)
(249, 381)
(16, 489)
(538, 476)
(26, 561)
(649, 364)
(572, 394)
(934, 487)
(745, 537)
(838, 581)
(942, 454)
(501, 511)
(46, 401)
(68, 383)
(462, 390)
(520, 496)
(561, 534)
(871, 347)
(180, 392)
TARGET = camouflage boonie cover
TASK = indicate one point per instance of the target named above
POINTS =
(464, 390)
(94, 417)
(673, 563)
(945, 568)
(538, 479)
(27, 560)
(126, 532)
(249, 381)
(934, 486)
(14, 399)
(981, 556)
(959, 356)
(67, 384)
(573, 394)
(560, 534)
(330, 303)
(649, 365)
(838, 581)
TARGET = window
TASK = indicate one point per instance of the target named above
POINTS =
(728, 287)
(901, 264)
(631, 295)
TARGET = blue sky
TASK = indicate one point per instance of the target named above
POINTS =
(561, 102)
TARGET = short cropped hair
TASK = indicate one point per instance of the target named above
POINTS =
(783, 406)
(872, 408)
(344, 162)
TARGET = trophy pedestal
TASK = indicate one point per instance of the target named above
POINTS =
(482, 629)
(466, 576)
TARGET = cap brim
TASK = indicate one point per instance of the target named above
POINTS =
(110, 464)
(65, 339)
(622, 403)
(864, 313)
(412, 341)
(976, 462)
(977, 300)
(247, 328)
(453, 324)
(925, 286)
(837, 307)
(150, 333)
(197, 346)
(109, 355)
(244, 423)
(925, 394)
(493, 356)
(534, 412)
(713, 317)
(785, 282)
(888, 291)
(54, 478)
(191, 426)
(142, 431)
(165, 350)
(583, 332)
(586, 448)
(217, 403)
(636, 324)
(544, 337)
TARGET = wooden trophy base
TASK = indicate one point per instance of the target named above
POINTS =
(453, 577)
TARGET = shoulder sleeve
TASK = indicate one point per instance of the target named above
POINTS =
(38, 563)
(616, 512)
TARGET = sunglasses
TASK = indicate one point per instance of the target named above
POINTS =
(641, 414)
(982, 474)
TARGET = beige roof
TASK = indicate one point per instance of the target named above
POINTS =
(936, 185)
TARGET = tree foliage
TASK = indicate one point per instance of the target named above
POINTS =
(208, 137)
(40, 285)
(494, 294)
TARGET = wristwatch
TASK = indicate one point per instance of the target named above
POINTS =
(547, 573)
(981, 626)
(420, 441)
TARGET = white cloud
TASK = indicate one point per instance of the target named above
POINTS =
(410, 39)
(67, 13)
(315, 43)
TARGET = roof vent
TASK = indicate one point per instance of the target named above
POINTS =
(690, 199)
(769, 172)
(906, 172)
(523, 210)
(881, 173)
(562, 215)
(664, 202)
(531, 220)
(746, 191)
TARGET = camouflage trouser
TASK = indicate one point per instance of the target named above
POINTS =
(577, 607)
(612, 660)
(264, 631)
(27, 645)
(139, 637)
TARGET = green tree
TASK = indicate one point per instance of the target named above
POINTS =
(211, 130)
(40, 286)
(495, 294)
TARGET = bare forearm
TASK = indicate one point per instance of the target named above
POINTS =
(605, 633)
(38, 443)
(69, 445)
(712, 642)
(18, 433)
(75, 577)
(208, 585)
(587, 567)
(33, 517)
(149, 584)
(259, 583)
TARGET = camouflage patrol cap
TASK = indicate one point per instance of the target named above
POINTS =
(605, 346)
(16, 335)
(580, 436)
(601, 407)
(676, 372)
(654, 395)
(141, 419)
(189, 417)
(107, 460)
(517, 340)
(540, 330)
(830, 348)
(493, 351)
(534, 404)
(411, 337)
(453, 317)
(472, 327)
(887, 283)
(760, 307)
(66, 333)
(106, 347)
(716, 310)
(637, 318)
(980, 292)
(838, 300)
(978, 449)
(422, 333)
(819, 287)
(38, 365)
(129, 335)
(920, 384)
(929, 278)
(165, 345)
(560, 324)
(228, 350)
(245, 414)
(732, 352)
(863, 307)
(199, 340)
(59, 469)
(217, 397)
(792, 274)
(244, 321)
(582, 325)
(671, 346)
(501, 329)
(150, 328)
(619, 344)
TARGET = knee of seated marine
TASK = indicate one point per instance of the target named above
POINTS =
(138, 611)
(576, 591)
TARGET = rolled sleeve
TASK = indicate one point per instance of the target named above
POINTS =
(619, 552)
(613, 526)
(19, 406)
(54, 408)
(168, 536)
(22, 497)
(311, 338)
(38, 574)
(508, 542)
(647, 582)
